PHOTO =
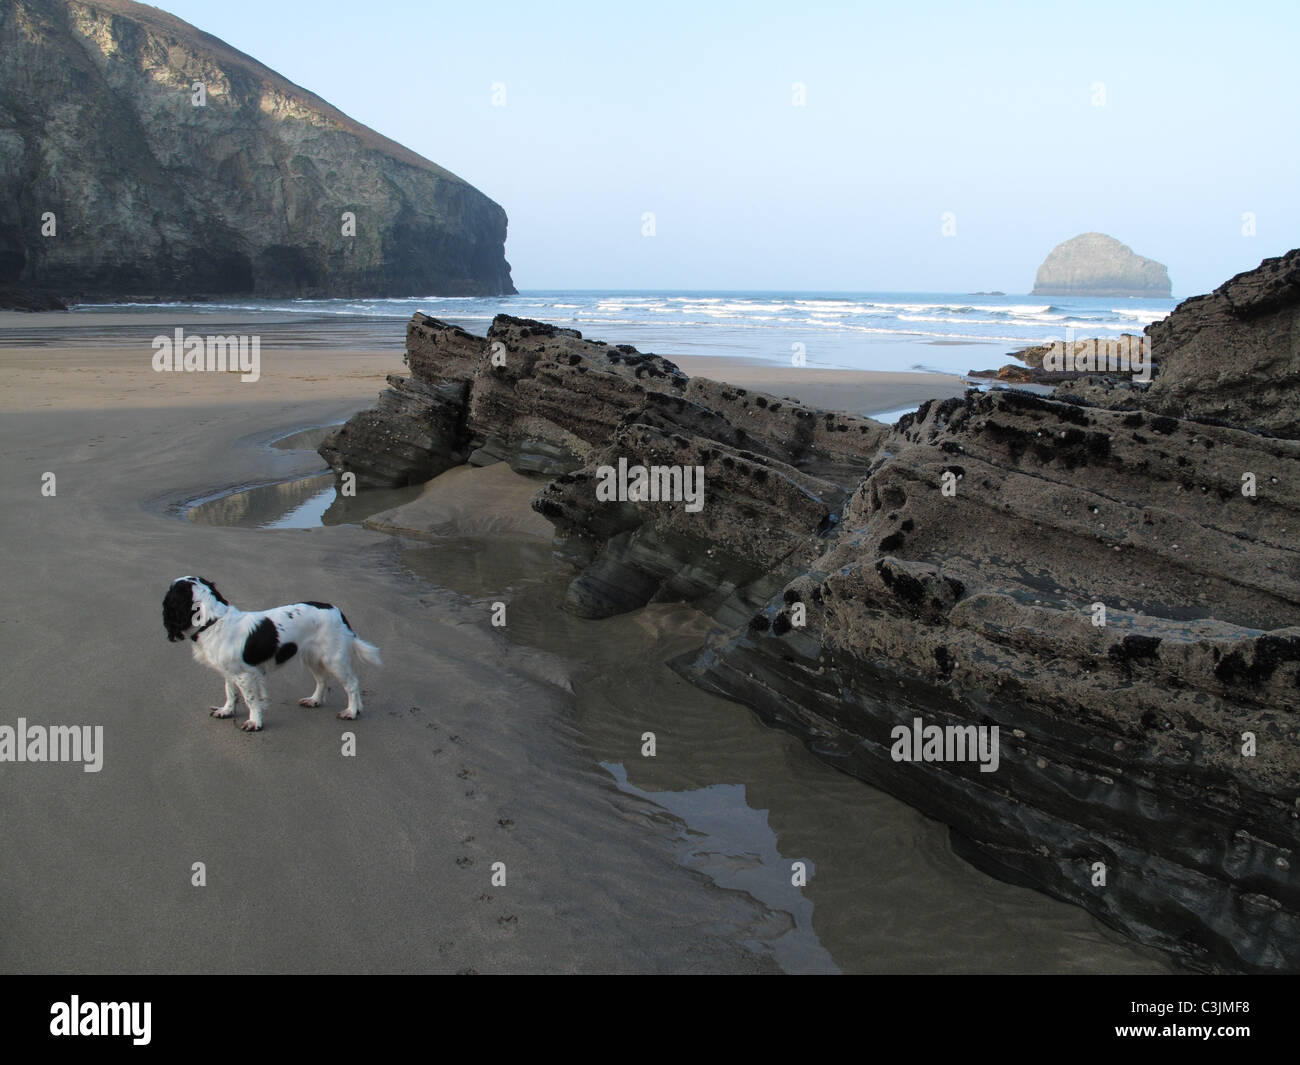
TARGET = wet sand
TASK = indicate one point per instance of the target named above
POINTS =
(847, 390)
(478, 745)
(49, 345)
(314, 862)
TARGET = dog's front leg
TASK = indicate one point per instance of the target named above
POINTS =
(254, 692)
(228, 707)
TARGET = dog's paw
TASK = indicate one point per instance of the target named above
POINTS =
(347, 715)
(221, 711)
(309, 701)
(248, 726)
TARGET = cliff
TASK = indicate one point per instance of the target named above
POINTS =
(1093, 264)
(1095, 582)
(153, 196)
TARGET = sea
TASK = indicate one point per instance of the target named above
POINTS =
(936, 332)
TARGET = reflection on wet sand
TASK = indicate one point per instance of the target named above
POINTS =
(744, 802)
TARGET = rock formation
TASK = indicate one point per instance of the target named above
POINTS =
(1232, 356)
(1093, 264)
(114, 184)
(1116, 590)
(776, 471)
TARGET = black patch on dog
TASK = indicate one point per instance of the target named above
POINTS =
(331, 606)
(213, 589)
(261, 643)
(285, 653)
(178, 610)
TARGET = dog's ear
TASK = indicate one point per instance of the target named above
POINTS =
(178, 609)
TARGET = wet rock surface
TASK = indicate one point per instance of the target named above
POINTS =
(1113, 587)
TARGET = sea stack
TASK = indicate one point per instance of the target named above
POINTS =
(143, 157)
(1093, 264)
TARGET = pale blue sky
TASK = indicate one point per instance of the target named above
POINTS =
(913, 110)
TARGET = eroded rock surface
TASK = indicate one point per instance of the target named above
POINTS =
(548, 402)
(1234, 354)
(1230, 357)
(1120, 743)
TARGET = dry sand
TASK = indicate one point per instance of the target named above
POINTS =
(314, 861)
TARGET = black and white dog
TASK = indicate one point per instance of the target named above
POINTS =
(242, 645)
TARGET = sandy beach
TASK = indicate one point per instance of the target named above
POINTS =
(314, 862)
(46, 348)
(475, 747)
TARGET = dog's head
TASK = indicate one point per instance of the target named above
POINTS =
(190, 603)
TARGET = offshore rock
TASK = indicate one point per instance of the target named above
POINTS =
(1093, 264)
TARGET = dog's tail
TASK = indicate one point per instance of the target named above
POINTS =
(367, 652)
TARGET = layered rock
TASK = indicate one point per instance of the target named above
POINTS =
(1121, 743)
(114, 184)
(1093, 264)
(1234, 354)
(1229, 357)
(1116, 591)
(549, 402)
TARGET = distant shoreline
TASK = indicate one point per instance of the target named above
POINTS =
(934, 333)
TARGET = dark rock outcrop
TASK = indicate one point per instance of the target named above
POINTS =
(1116, 590)
(16, 298)
(152, 196)
(1230, 357)
(1093, 264)
(1034, 358)
(1234, 355)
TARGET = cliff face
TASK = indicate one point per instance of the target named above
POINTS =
(1095, 583)
(154, 196)
(1093, 264)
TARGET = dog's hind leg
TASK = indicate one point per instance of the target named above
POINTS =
(342, 670)
(253, 688)
(318, 671)
(228, 707)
